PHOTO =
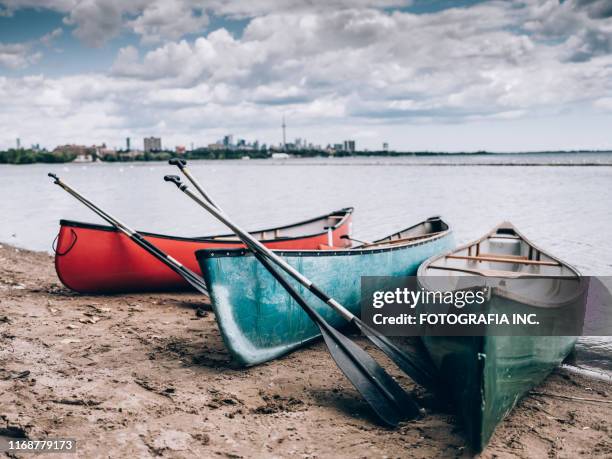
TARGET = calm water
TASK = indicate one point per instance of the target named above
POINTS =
(564, 209)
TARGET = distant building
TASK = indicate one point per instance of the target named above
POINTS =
(228, 141)
(83, 153)
(18, 142)
(127, 144)
(152, 144)
(338, 147)
(216, 146)
(349, 145)
(385, 146)
(104, 152)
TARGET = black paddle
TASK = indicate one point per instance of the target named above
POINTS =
(194, 280)
(420, 373)
(388, 400)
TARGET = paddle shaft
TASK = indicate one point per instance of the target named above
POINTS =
(409, 366)
(182, 165)
(248, 241)
(387, 398)
(258, 246)
(191, 277)
(320, 321)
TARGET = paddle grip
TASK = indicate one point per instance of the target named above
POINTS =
(180, 163)
(174, 179)
(54, 177)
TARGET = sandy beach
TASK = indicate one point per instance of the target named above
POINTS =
(147, 375)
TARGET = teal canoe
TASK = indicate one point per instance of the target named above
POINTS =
(259, 321)
(488, 375)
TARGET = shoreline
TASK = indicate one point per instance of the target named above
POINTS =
(598, 158)
(334, 162)
(147, 375)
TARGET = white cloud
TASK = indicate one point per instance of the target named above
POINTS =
(21, 55)
(96, 21)
(332, 72)
(582, 27)
(50, 37)
(168, 19)
(380, 65)
(8, 7)
(596, 8)
(605, 103)
(249, 9)
(17, 55)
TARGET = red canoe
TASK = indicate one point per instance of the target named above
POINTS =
(93, 258)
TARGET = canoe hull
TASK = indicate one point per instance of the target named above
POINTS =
(487, 375)
(490, 374)
(99, 259)
(257, 318)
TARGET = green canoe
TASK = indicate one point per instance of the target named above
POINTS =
(488, 375)
(259, 321)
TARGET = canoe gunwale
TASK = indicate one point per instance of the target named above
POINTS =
(399, 233)
(504, 293)
(347, 211)
(239, 252)
(505, 225)
(244, 296)
(478, 413)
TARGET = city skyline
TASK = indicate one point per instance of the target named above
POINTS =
(152, 143)
(434, 75)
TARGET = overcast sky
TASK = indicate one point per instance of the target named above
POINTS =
(421, 75)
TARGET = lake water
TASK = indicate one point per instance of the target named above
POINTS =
(564, 209)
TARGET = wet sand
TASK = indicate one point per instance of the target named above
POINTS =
(147, 375)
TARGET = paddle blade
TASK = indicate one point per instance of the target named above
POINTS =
(388, 400)
(419, 371)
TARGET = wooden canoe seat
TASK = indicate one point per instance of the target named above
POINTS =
(491, 272)
(496, 259)
(514, 257)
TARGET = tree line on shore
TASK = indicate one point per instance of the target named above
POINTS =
(29, 156)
